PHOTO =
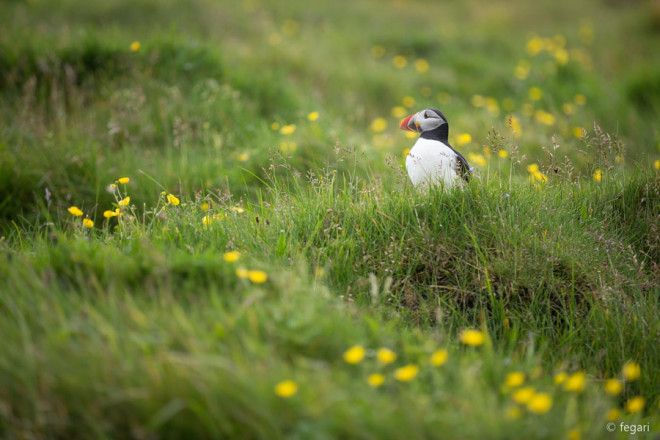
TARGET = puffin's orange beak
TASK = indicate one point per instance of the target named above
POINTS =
(405, 123)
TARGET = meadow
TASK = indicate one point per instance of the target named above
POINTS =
(207, 230)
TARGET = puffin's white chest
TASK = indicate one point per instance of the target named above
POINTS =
(431, 162)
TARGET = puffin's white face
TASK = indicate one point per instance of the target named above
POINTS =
(425, 120)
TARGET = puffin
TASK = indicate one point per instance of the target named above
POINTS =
(432, 161)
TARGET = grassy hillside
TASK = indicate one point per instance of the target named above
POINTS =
(246, 257)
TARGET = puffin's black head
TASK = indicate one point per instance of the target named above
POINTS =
(426, 120)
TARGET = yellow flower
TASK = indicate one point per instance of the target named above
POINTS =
(286, 388)
(535, 45)
(405, 152)
(561, 56)
(514, 123)
(399, 61)
(385, 356)
(560, 378)
(463, 139)
(503, 154)
(257, 276)
(125, 201)
(135, 46)
(619, 159)
(540, 403)
(575, 382)
(597, 175)
(478, 101)
(421, 65)
(406, 373)
(408, 101)
(439, 357)
(543, 117)
(492, 106)
(472, 337)
(231, 256)
(75, 211)
(579, 132)
(513, 413)
(242, 273)
(243, 157)
(573, 434)
(613, 415)
(288, 147)
(88, 223)
(410, 134)
(477, 159)
(275, 126)
(514, 379)
(631, 371)
(378, 125)
(110, 214)
(375, 380)
(656, 164)
(580, 99)
(613, 387)
(288, 129)
(635, 404)
(568, 108)
(354, 355)
(377, 51)
(313, 116)
(237, 209)
(523, 395)
(535, 93)
(124, 180)
(522, 69)
(173, 200)
(398, 111)
(205, 206)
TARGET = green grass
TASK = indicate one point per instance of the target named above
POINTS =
(138, 328)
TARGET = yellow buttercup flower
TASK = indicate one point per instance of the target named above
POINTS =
(543, 117)
(463, 139)
(635, 404)
(237, 209)
(514, 124)
(523, 395)
(421, 65)
(288, 129)
(503, 154)
(405, 152)
(410, 134)
(110, 214)
(399, 61)
(656, 164)
(242, 273)
(378, 125)
(257, 276)
(540, 403)
(375, 380)
(406, 373)
(478, 101)
(532, 168)
(313, 116)
(408, 101)
(514, 379)
(631, 371)
(243, 157)
(439, 357)
(472, 337)
(535, 45)
(275, 126)
(286, 389)
(205, 206)
(573, 434)
(613, 387)
(579, 132)
(124, 180)
(88, 223)
(477, 159)
(575, 382)
(231, 256)
(398, 111)
(354, 355)
(597, 175)
(560, 378)
(568, 108)
(135, 46)
(385, 356)
(522, 69)
(580, 99)
(75, 211)
(535, 93)
(125, 201)
(613, 415)
(172, 200)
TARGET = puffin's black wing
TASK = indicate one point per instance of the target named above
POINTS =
(464, 168)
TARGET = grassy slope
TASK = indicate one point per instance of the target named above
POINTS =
(139, 327)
